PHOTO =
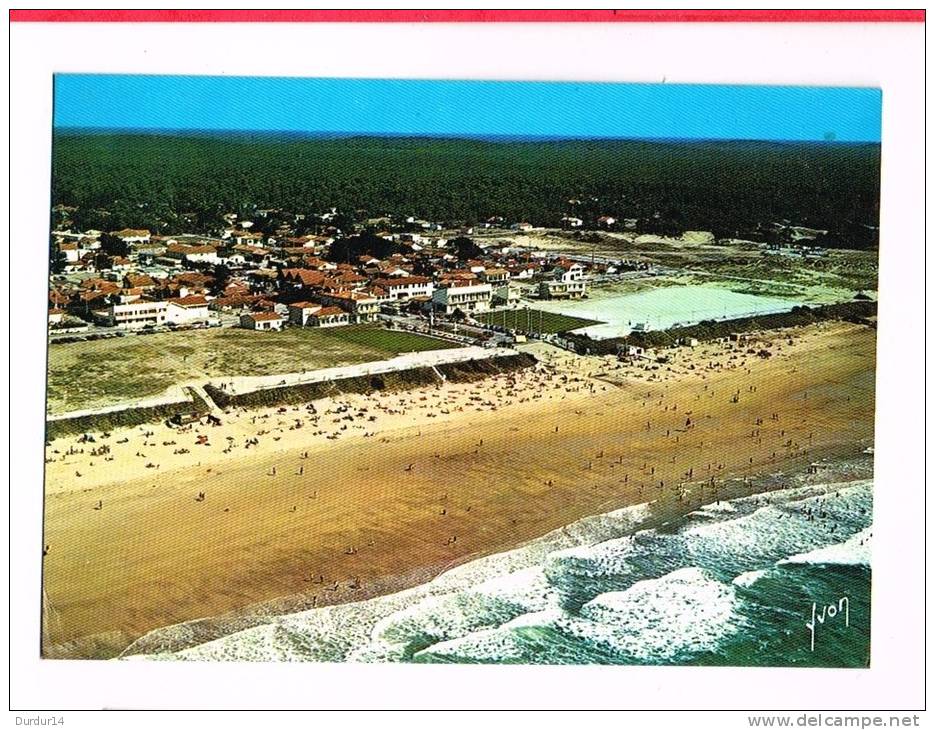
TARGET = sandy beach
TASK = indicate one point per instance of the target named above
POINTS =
(333, 498)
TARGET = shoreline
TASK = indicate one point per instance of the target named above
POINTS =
(838, 470)
(367, 520)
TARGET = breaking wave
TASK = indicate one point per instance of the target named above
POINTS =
(733, 584)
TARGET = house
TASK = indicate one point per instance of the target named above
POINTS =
(506, 294)
(186, 310)
(362, 306)
(524, 226)
(71, 251)
(56, 316)
(572, 222)
(303, 278)
(135, 315)
(523, 271)
(194, 254)
(328, 317)
(265, 321)
(138, 281)
(132, 235)
(256, 254)
(562, 289)
(632, 352)
(495, 277)
(127, 296)
(607, 221)
(466, 296)
(405, 287)
(233, 302)
(193, 281)
(245, 238)
(569, 282)
(299, 312)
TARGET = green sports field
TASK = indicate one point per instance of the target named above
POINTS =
(534, 320)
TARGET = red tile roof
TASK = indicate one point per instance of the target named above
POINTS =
(194, 300)
(307, 277)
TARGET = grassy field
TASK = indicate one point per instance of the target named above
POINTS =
(94, 374)
(534, 320)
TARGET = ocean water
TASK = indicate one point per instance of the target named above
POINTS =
(736, 583)
(665, 307)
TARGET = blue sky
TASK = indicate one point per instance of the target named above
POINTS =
(465, 108)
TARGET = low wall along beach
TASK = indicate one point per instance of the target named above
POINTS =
(399, 373)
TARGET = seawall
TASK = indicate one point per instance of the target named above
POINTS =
(367, 382)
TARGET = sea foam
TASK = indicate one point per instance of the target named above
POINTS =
(604, 588)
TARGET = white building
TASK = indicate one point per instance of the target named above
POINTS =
(329, 317)
(405, 287)
(71, 251)
(495, 276)
(309, 314)
(569, 283)
(361, 306)
(133, 235)
(632, 352)
(468, 297)
(299, 312)
(506, 294)
(265, 321)
(136, 314)
(204, 254)
(186, 310)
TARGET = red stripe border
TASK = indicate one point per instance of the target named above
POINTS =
(467, 16)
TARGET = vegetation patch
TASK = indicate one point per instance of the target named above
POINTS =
(106, 372)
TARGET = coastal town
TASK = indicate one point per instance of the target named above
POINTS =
(302, 379)
(405, 271)
(192, 370)
(134, 279)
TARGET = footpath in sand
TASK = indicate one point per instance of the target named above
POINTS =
(335, 499)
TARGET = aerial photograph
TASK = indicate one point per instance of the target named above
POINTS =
(429, 371)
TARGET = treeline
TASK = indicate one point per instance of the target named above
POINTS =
(171, 184)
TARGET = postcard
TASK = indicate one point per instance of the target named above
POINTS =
(423, 371)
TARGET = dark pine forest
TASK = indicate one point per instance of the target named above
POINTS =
(173, 183)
